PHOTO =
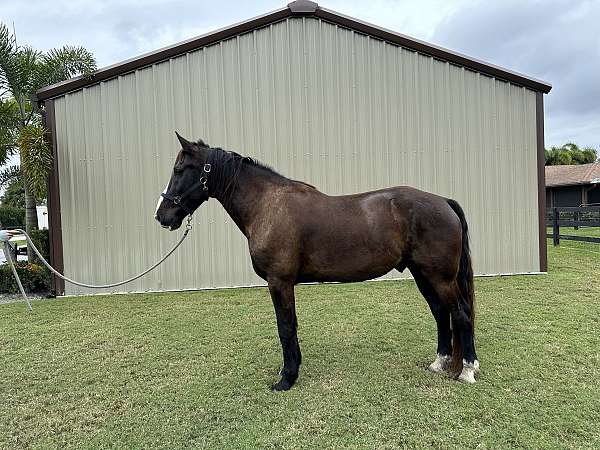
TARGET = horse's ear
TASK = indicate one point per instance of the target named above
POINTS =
(185, 144)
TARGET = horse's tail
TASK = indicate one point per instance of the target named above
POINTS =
(465, 285)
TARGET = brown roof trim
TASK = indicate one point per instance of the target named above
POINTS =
(296, 8)
(433, 50)
(129, 65)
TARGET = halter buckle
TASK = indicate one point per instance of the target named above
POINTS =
(203, 182)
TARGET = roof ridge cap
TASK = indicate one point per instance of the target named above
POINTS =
(302, 7)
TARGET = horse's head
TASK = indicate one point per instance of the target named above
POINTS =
(187, 188)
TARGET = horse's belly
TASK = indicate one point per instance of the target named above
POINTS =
(347, 264)
(341, 277)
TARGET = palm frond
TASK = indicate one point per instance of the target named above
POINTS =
(8, 47)
(60, 64)
(17, 66)
(9, 121)
(36, 159)
(24, 75)
(8, 174)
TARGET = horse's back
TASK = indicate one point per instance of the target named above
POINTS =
(359, 236)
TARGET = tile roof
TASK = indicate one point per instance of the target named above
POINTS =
(574, 174)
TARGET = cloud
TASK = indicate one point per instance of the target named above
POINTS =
(115, 30)
(554, 40)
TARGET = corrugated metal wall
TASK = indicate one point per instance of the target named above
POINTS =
(319, 103)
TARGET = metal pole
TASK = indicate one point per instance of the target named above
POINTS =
(8, 254)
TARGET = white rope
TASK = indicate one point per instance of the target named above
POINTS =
(7, 253)
(78, 283)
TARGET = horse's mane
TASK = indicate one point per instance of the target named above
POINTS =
(228, 165)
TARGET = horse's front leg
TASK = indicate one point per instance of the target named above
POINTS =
(282, 294)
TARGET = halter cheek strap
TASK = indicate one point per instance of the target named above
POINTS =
(178, 199)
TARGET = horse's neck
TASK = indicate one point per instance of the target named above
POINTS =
(245, 201)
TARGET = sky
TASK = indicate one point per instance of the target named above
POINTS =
(553, 40)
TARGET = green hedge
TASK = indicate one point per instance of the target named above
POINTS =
(34, 278)
(41, 240)
(11, 216)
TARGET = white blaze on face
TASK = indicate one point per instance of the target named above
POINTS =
(160, 200)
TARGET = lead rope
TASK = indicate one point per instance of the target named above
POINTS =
(8, 254)
(188, 227)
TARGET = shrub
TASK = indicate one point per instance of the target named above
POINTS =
(34, 278)
(11, 216)
(41, 240)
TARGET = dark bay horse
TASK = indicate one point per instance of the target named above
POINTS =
(297, 234)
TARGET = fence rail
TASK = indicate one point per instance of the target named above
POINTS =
(575, 217)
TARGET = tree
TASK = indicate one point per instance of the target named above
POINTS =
(23, 71)
(570, 154)
(14, 194)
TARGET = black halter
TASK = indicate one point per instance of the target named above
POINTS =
(178, 199)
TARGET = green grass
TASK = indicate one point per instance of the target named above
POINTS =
(582, 231)
(193, 369)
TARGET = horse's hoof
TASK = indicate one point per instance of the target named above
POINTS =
(467, 377)
(440, 364)
(282, 385)
(468, 372)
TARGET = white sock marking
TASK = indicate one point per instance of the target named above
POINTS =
(469, 370)
(440, 364)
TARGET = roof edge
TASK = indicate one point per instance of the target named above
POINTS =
(164, 53)
(574, 183)
(434, 50)
(297, 8)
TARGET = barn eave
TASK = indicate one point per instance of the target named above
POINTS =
(298, 8)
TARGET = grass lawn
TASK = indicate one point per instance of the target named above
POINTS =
(582, 231)
(193, 369)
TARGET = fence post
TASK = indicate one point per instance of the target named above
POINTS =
(555, 228)
(576, 218)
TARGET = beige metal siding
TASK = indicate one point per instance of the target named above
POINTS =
(320, 103)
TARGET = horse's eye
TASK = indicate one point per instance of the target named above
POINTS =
(178, 170)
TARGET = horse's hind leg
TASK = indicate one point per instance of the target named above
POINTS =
(441, 313)
(282, 294)
(464, 358)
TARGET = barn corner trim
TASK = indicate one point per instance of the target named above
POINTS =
(541, 179)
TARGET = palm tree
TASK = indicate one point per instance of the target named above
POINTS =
(23, 71)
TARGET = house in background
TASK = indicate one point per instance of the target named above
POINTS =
(573, 185)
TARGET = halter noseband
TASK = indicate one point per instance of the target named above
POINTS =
(178, 199)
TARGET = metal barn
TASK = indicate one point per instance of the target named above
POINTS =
(322, 97)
